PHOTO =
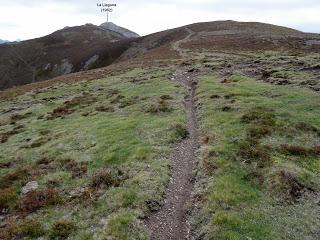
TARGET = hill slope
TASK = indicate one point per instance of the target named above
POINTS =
(71, 49)
(173, 141)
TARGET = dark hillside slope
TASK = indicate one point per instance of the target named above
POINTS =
(68, 50)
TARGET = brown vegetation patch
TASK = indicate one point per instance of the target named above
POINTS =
(291, 186)
(5, 165)
(26, 228)
(69, 106)
(62, 229)
(20, 175)
(253, 152)
(305, 127)
(35, 200)
(6, 135)
(107, 178)
(17, 117)
(159, 106)
(259, 131)
(129, 101)
(8, 198)
(208, 166)
(77, 168)
(104, 109)
(260, 115)
(116, 98)
(297, 150)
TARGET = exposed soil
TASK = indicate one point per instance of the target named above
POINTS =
(171, 221)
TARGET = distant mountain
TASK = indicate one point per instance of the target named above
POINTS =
(3, 41)
(123, 31)
(71, 49)
(81, 48)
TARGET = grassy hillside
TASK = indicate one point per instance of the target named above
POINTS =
(93, 155)
(97, 150)
(260, 161)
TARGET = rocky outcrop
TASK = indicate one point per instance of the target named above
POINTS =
(123, 31)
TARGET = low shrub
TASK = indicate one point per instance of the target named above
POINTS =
(179, 132)
(208, 166)
(62, 229)
(8, 198)
(294, 150)
(35, 200)
(160, 106)
(27, 228)
(260, 115)
(20, 175)
(77, 168)
(253, 152)
(259, 131)
(105, 178)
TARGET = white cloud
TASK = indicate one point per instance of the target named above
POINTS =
(35, 18)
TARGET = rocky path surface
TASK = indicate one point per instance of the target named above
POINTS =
(171, 221)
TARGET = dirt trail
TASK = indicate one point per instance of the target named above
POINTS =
(171, 221)
(177, 45)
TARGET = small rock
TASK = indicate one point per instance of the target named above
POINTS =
(30, 186)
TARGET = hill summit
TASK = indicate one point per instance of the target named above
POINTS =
(123, 31)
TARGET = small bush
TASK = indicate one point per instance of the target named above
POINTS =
(295, 150)
(119, 226)
(301, 126)
(20, 175)
(105, 109)
(16, 117)
(130, 101)
(39, 142)
(69, 106)
(5, 165)
(116, 99)
(260, 115)
(35, 200)
(289, 184)
(226, 109)
(31, 228)
(255, 153)
(166, 97)
(316, 150)
(4, 137)
(8, 198)
(259, 131)
(180, 132)
(105, 178)
(62, 229)
(27, 228)
(208, 166)
(77, 168)
(215, 96)
(160, 106)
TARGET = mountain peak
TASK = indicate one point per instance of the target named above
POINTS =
(115, 28)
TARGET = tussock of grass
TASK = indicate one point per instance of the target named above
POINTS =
(62, 229)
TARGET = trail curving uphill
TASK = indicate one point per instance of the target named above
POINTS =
(171, 221)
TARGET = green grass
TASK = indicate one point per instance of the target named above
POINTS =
(129, 141)
(243, 199)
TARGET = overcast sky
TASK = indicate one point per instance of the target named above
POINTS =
(25, 19)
